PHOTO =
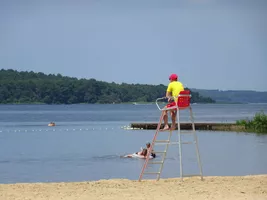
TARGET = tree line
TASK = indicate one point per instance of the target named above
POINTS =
(32, 87)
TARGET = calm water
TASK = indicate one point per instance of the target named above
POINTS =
(88, 140)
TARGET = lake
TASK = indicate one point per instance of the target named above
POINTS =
(88, 140)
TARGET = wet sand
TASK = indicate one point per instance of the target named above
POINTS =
(230, 188)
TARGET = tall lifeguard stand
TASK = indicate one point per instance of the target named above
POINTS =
(183, 102)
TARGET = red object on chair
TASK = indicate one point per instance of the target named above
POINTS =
(184, 99)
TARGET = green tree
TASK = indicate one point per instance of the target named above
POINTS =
(31, 87)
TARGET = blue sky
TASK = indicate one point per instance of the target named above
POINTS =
(210, 44)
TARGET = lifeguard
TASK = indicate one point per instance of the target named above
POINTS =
(173, 90)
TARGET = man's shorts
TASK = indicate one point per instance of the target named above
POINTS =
(172, 104)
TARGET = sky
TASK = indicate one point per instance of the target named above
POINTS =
(210, 44)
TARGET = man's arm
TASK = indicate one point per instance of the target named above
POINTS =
(169, 92)
(169, 96)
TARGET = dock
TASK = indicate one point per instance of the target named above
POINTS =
(213, 126)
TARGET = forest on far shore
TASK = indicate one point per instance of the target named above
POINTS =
(31, 87)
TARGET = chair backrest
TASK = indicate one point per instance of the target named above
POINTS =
(184, 99)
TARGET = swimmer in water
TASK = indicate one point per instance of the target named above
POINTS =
(52, 124)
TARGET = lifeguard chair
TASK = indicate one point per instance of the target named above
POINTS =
(183, 102)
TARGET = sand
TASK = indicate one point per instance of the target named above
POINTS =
(230, 188)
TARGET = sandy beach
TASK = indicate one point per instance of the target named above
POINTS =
(230, 188)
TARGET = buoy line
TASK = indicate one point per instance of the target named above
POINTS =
(68, 129)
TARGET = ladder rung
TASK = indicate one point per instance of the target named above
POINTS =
(159, 162)
(191, 175)
(151, 172)
(187, 132)
(162, 141)
(188, 142)
(173, 143)
(169, 143)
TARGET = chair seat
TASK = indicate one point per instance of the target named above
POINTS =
(174, 107)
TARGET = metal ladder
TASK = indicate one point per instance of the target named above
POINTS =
(168, 142)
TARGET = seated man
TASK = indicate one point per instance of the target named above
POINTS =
(173, 90)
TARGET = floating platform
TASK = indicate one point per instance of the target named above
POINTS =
(213, 126)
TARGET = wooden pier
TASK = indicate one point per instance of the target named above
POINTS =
(198, 126)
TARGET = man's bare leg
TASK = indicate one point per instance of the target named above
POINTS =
(173, 115)
(165, 119)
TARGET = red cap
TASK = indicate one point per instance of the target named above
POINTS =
(173, 77)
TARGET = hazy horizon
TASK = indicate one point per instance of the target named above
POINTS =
(132, 83)
(210, 44)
